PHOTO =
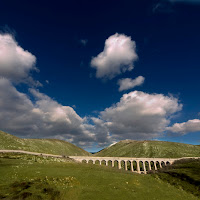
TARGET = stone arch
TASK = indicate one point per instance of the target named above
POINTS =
(122, 164)
(84, 161)
(110, 163)
(147, 165)
(152, 165)
(157, 164)
(167, 163)
(116, 163)
(129, 163)
(162, 163)
(103, 162)
(90, 161)
(141, 165)
(97, 162)
(134, 163)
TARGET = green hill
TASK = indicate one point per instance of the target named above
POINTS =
(157, 149)
(51, 146)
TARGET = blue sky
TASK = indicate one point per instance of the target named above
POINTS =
(94, 73)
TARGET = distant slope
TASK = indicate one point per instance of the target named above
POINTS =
(157, 149)
(51, 146)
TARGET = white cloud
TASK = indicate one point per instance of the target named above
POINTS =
(117, 57)
(128, 83)
(34, 114)
(185, 127)
(15, 62)
(138, 115)
(42, 117)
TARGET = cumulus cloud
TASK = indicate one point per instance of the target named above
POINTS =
(40, 117)
(15, 62)
(185, 127)
(117, 57)
(128, 83)
(138, 115)
(34, 114)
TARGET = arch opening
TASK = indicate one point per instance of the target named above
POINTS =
(152, 165)
(141, 166)
(110, 163)
(167, 163)
(103, 162)
(90, 162)
(134, 165)
(162, 163)
(84, 161)
(97, 162)
(116, 163)
(157, 164)
(147, 165)
(123, 164)
(129, 165)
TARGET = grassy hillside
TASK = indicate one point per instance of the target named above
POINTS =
(157, 149)
(51, 146)
(182, 174)
(30, 178)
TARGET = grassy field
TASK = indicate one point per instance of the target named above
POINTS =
(33, 178)
(151, 149)
(51, 146)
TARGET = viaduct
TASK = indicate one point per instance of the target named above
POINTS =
(138, 165)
